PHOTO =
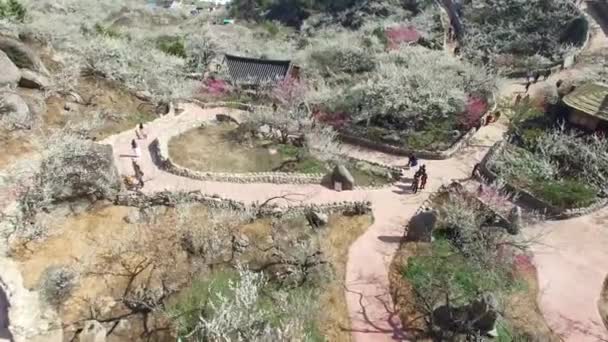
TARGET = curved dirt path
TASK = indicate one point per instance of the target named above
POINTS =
(366, 284)
(366, 280)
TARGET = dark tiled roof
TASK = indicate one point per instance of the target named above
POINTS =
(245, 70)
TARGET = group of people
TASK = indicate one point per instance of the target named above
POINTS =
(140, 133)
(420, 176)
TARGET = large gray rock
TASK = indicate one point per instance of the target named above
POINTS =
(342, 175)
(93, 331)
(33, 80)
(478, 316)
(14, 112)
(21, 55)
(420, 227)
(9, 73)
(317, 219)
(80, 169)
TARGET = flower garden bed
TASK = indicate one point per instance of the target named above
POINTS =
(528, 198)
(426, 272)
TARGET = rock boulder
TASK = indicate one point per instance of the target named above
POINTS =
(317, 219)
(14, 112)
(9, 74)
(33, 80)
(21, 55)
(78, 170)
(342, 175)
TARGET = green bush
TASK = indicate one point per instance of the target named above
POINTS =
(565, 194)
(107, 31)
(447, 270)
(12, 9)
(173, 46)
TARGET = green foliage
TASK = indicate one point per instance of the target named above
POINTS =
(173, 46)
(336, 57)
(12, 9)
(186, 308)
(565, 194)
(107, 31)
(447, 271)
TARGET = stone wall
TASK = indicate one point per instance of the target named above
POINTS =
(526, 198)
(403, 151)
(172, 198)
(160, 152)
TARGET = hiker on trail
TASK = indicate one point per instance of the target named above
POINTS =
(528, 85)
(423, 177)
(415, 182)
(135, 148)
(137, 169)
(517, 99)
(142, 133)
(412, 161)
(536, 76)
(476, 172)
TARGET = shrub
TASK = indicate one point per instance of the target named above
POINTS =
(200, 52)
(57, 283)
(445, 272)
(516, 28)
(333, 58)
(106, 31)
(401, 34)
(414, 85)
(12, 9)
(173, 46)
(565, 194)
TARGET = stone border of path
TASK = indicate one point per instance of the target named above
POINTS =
(424, 154)
(171, 198)
(527, 198)
(160, 152)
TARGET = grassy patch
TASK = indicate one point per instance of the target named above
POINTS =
(173, 46)
(565, 194)
(446, 268)
(214, 148)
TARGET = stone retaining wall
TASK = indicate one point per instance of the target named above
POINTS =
(172, 198)
(526, 198)
(403, 151)
(160, 152)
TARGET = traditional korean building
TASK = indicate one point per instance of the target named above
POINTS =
(254, 72)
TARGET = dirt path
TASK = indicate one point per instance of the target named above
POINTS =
(572, 262)
(366, 283)
(367, 278)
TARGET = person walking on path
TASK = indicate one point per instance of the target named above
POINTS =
(416, 182)
(476, 171)
(142, 132)
(423, 177)
(412, 162)
(135, 148)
